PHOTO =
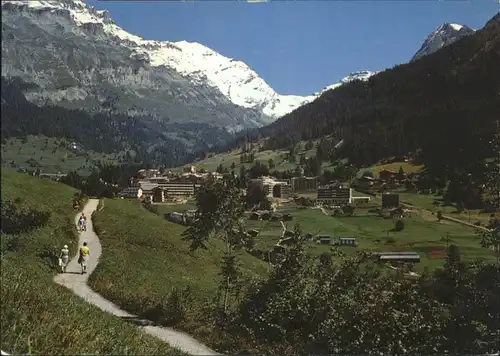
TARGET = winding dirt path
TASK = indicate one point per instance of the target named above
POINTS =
(77, 282)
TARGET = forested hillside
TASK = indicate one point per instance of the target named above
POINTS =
(442, 106)
(140, 139)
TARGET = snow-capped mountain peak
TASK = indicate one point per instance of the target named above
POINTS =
(444, 35)
(232, 77)
(363, 75)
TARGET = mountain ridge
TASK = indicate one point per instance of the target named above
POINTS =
(440, 109)
(199, 64)
(443, 35)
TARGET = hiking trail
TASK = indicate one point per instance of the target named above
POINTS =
(77, 282)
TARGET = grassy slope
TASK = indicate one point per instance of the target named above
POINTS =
(408, 167)
(212, 161)
(424, 231)
(48, 155)
(40, 316)
(144, 258)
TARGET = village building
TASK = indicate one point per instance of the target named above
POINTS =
(282, 191)
(390, 200)
(146, 190)
(403, 257)
(158, 195)
(334, 194)
(130, 192)
(268, 183)
(323, 240)
(387, 174)
(304, 184)
(189, 169)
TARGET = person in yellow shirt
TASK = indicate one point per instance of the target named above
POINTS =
(84, 257)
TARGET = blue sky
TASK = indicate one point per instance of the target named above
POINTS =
(299, 47)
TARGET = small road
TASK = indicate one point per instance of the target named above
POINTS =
(447, 217)
(78, 284)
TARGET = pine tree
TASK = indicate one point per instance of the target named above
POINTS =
(492, 181)
(491, 238)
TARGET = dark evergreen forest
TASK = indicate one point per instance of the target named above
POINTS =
(440, 109)
(144, 138)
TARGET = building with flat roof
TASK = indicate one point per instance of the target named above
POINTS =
(304, 184)
(268, 183)
(282, 191)
(334, 194)
(400, 256)
(184, 187)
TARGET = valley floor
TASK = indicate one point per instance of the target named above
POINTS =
(147, 268)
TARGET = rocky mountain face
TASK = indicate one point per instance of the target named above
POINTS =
(444, 35)
(79, 58)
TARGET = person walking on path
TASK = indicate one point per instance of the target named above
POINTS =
(80, 224)
(84, 257)
(64, 258)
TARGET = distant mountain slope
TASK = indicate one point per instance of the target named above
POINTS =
(135, 139)
(80, 59)
(444, 35)
(107, 67)
(443, 104)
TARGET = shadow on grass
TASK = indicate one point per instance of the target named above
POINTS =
(72, 272)
(138, 321)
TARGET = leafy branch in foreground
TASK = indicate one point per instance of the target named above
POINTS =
(219, 217)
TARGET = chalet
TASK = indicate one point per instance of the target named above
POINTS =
(130, 192)
(360, 200)
(387, 174)
(397, 212)
(146, 190)
(347, 241)
(148, 173)
(176, 217)
(158, 195)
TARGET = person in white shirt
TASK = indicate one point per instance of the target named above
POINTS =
(64, 257)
